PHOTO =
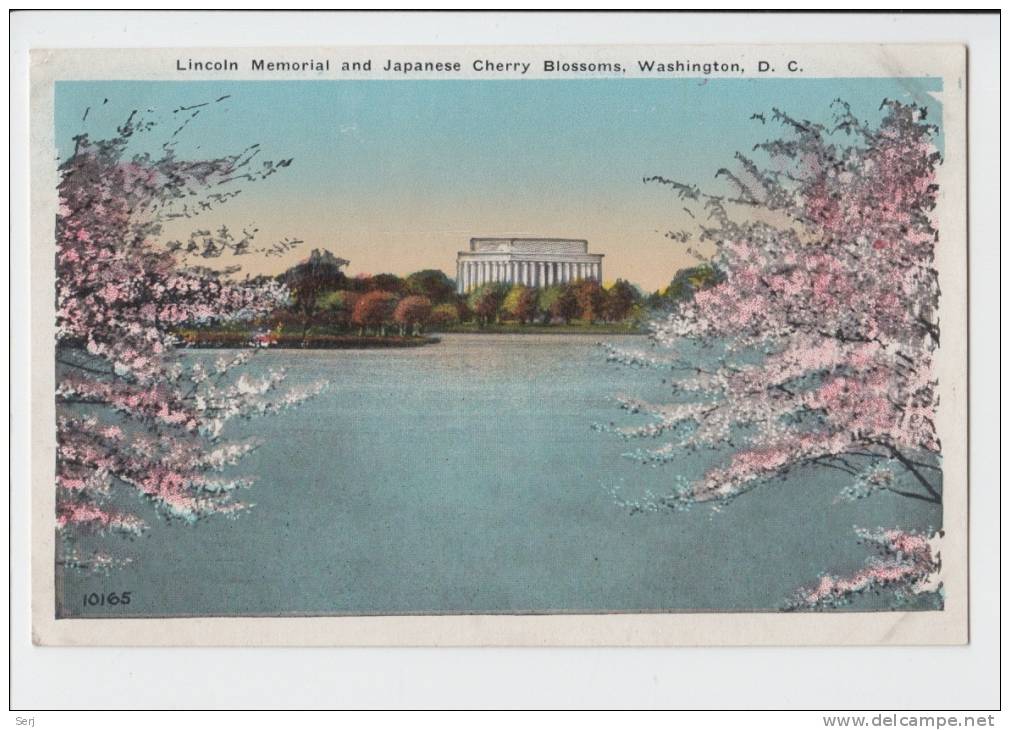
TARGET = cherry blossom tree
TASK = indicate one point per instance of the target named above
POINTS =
(819, 335)
(132, 414)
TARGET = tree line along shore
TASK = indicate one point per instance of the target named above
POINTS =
(328, 309)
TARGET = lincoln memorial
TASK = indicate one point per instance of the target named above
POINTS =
(536, 262)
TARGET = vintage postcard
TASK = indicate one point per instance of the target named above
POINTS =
(529, 345)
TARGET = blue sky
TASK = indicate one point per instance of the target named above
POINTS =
(397, 175)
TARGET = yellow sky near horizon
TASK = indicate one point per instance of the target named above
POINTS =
(411, 240)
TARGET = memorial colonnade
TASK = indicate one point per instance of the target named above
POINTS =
(534, 262)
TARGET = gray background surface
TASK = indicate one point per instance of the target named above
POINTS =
(961, 677)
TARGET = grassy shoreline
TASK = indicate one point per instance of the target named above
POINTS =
(315, 340)
(513, 328)
(231, 340)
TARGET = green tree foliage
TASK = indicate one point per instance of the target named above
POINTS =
(309, 280)
(443, 315)
(546, 297)
(521, 303)
(431, 283)
(336, 307)
(386, 282)
(566, 304)
(619, 301)
(463, 311)
(656, 300)
(324, 297)
(486, 302)
(687, 281)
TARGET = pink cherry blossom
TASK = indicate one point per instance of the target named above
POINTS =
(906, 564)
(825, 323)
(131, 414)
